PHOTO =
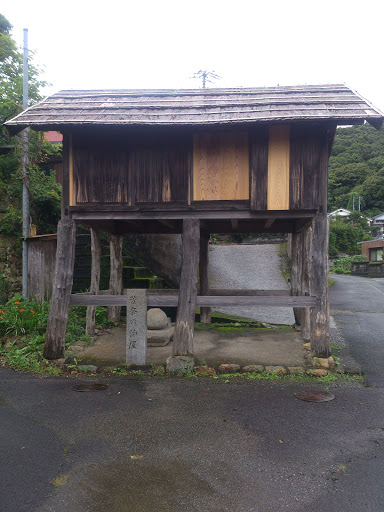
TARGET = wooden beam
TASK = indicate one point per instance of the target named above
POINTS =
(72, 201)
(65, 189)
(205, 313)
(167, 224)
(116, 273)
(296, 270)
(172, 300)
(95, 280)
(62, 287)
(185, 318)
(269, 223)
(305, 286)
(216, 212)
(320, 340)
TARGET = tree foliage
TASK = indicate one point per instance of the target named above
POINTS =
(346, 232)
(356, 167)
(45, 193)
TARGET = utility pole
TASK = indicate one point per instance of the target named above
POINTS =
(25, 141)
(359, 204)
(353, 201)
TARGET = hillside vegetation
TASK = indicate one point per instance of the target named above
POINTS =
(356, 167)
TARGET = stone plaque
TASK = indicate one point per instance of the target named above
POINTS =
(136, 348)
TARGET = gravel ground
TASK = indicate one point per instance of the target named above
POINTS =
(249, 267)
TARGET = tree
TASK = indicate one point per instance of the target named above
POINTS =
(356, 167)
(44, 191)
(345, 233)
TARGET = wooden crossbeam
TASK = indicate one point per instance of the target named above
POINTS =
(171, 300)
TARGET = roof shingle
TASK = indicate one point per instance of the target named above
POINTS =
(191, 107)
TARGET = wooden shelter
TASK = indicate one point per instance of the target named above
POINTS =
(198, 162)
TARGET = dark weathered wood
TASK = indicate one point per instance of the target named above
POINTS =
(305, 286)
(185, 319)
(41, 266)
(65, 185)
(62, 288)
(129, 170)
(218, 211)
(205, 313)
(297, 270)
(306, 156)
(252, 293)
(116, 273)
(161, 174)
(258, 165)
(95, 280)
(172, 300)
(320, 342)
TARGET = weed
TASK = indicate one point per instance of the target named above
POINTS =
(60, 481)
(341, 468)
(344, 265)
(74, 365)
(335, 347)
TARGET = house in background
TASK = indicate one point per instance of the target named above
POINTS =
(340, 212)
(378, 220)
(373, 249)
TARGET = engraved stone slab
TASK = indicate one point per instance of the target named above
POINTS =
(136, 347)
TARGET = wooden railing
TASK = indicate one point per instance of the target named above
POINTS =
(170, 298)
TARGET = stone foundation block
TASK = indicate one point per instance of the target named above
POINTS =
(278, 370)
(228, 368)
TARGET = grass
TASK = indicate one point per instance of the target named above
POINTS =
(60, 481)
(23, 323)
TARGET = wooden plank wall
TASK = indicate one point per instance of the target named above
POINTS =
(258, 164)
(220, 166)
(131, 171)
(162, 173)
(41, 266)
(278, 168)
(306, 153)
(101, 176)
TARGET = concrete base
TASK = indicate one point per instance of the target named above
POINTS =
(271, 347)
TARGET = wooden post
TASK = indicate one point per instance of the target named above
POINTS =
(320, 344)
(62, 287)
(116, 274)
(205, 313)
(305, 286)
(296, 271)
(95, 280)
(185, 319)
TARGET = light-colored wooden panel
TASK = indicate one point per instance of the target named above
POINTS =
(220, 166)
(278, 168)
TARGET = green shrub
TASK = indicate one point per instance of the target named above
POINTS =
(344, 265)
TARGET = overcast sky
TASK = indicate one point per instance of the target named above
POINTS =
(160, 44)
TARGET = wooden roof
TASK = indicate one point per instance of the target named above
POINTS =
(198, 107)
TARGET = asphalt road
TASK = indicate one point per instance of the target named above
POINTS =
(197, 445)
(357, 305)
